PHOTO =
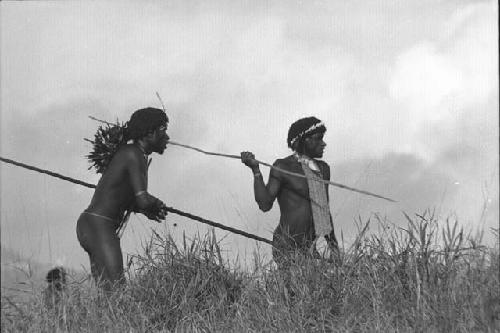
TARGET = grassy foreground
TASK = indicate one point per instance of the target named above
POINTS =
(427, 277)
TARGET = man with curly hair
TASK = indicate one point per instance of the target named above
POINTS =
(56, 287)
(122, 188)
(305, 213)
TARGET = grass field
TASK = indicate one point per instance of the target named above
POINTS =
(427, 277)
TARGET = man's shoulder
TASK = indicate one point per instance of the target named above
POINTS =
(286, 162)
(128, 149)
(127, 152)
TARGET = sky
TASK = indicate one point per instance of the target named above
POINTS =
(408, 91)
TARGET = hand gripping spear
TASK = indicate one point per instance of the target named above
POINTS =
(285, 171)
(169, 209)
(271, 166)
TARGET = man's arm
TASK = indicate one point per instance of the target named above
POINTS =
(264, 194)
(147, 204)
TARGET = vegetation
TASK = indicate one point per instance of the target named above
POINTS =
(427, 277)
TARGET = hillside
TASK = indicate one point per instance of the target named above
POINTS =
(428, 277)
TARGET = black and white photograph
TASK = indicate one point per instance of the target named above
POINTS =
(249, 166)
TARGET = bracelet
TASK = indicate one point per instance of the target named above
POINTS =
(140, 193)
(257, 174)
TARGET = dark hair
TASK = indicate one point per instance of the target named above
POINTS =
(297, 129)
(57, 274)
(144, 121)
(110, 137)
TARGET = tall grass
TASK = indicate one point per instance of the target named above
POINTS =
(427, 277)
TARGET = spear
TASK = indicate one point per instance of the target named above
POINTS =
(169, 209)
(329, 182)
(285, 171)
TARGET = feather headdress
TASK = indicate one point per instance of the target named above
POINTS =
(107, 140)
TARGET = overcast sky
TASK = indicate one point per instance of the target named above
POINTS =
(407, 89)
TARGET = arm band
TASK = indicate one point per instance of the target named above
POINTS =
(140, 193)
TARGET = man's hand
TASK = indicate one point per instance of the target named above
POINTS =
(249, 160)
(158, 212)
(162, 212)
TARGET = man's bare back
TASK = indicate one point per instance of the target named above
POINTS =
(125, 176)
(122, 188)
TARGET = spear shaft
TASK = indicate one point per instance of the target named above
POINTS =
(329, 182)
(169, 209)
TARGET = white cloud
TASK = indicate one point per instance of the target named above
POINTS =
(439, 81)
(235, 78)
(423, 78)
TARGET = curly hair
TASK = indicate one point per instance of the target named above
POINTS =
(144, 121)
(110, 137)
(56, 274)
(301, 129)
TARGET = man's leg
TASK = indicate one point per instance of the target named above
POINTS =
(107, 257)
(98, 237)
(108, 261)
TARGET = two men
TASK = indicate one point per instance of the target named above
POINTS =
(303, 201)
(122, 188)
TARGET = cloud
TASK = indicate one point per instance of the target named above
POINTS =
(408, 92)
(417, 186)
(423, 78)
(438, 82)
(460, 63)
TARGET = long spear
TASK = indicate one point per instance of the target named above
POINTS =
(285, 171)
(329, 182)
(267, 164)
(169, 209)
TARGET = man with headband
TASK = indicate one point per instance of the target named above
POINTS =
(305, 213)
(123, 188)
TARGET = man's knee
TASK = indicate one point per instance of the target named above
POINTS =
(107, 265)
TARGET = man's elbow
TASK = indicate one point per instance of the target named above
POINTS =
(144, 202)
(265, 206)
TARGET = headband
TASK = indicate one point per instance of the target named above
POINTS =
(306, 131)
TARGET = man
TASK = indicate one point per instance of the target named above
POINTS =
(122, 188)
(305, 214)
(56, 286)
